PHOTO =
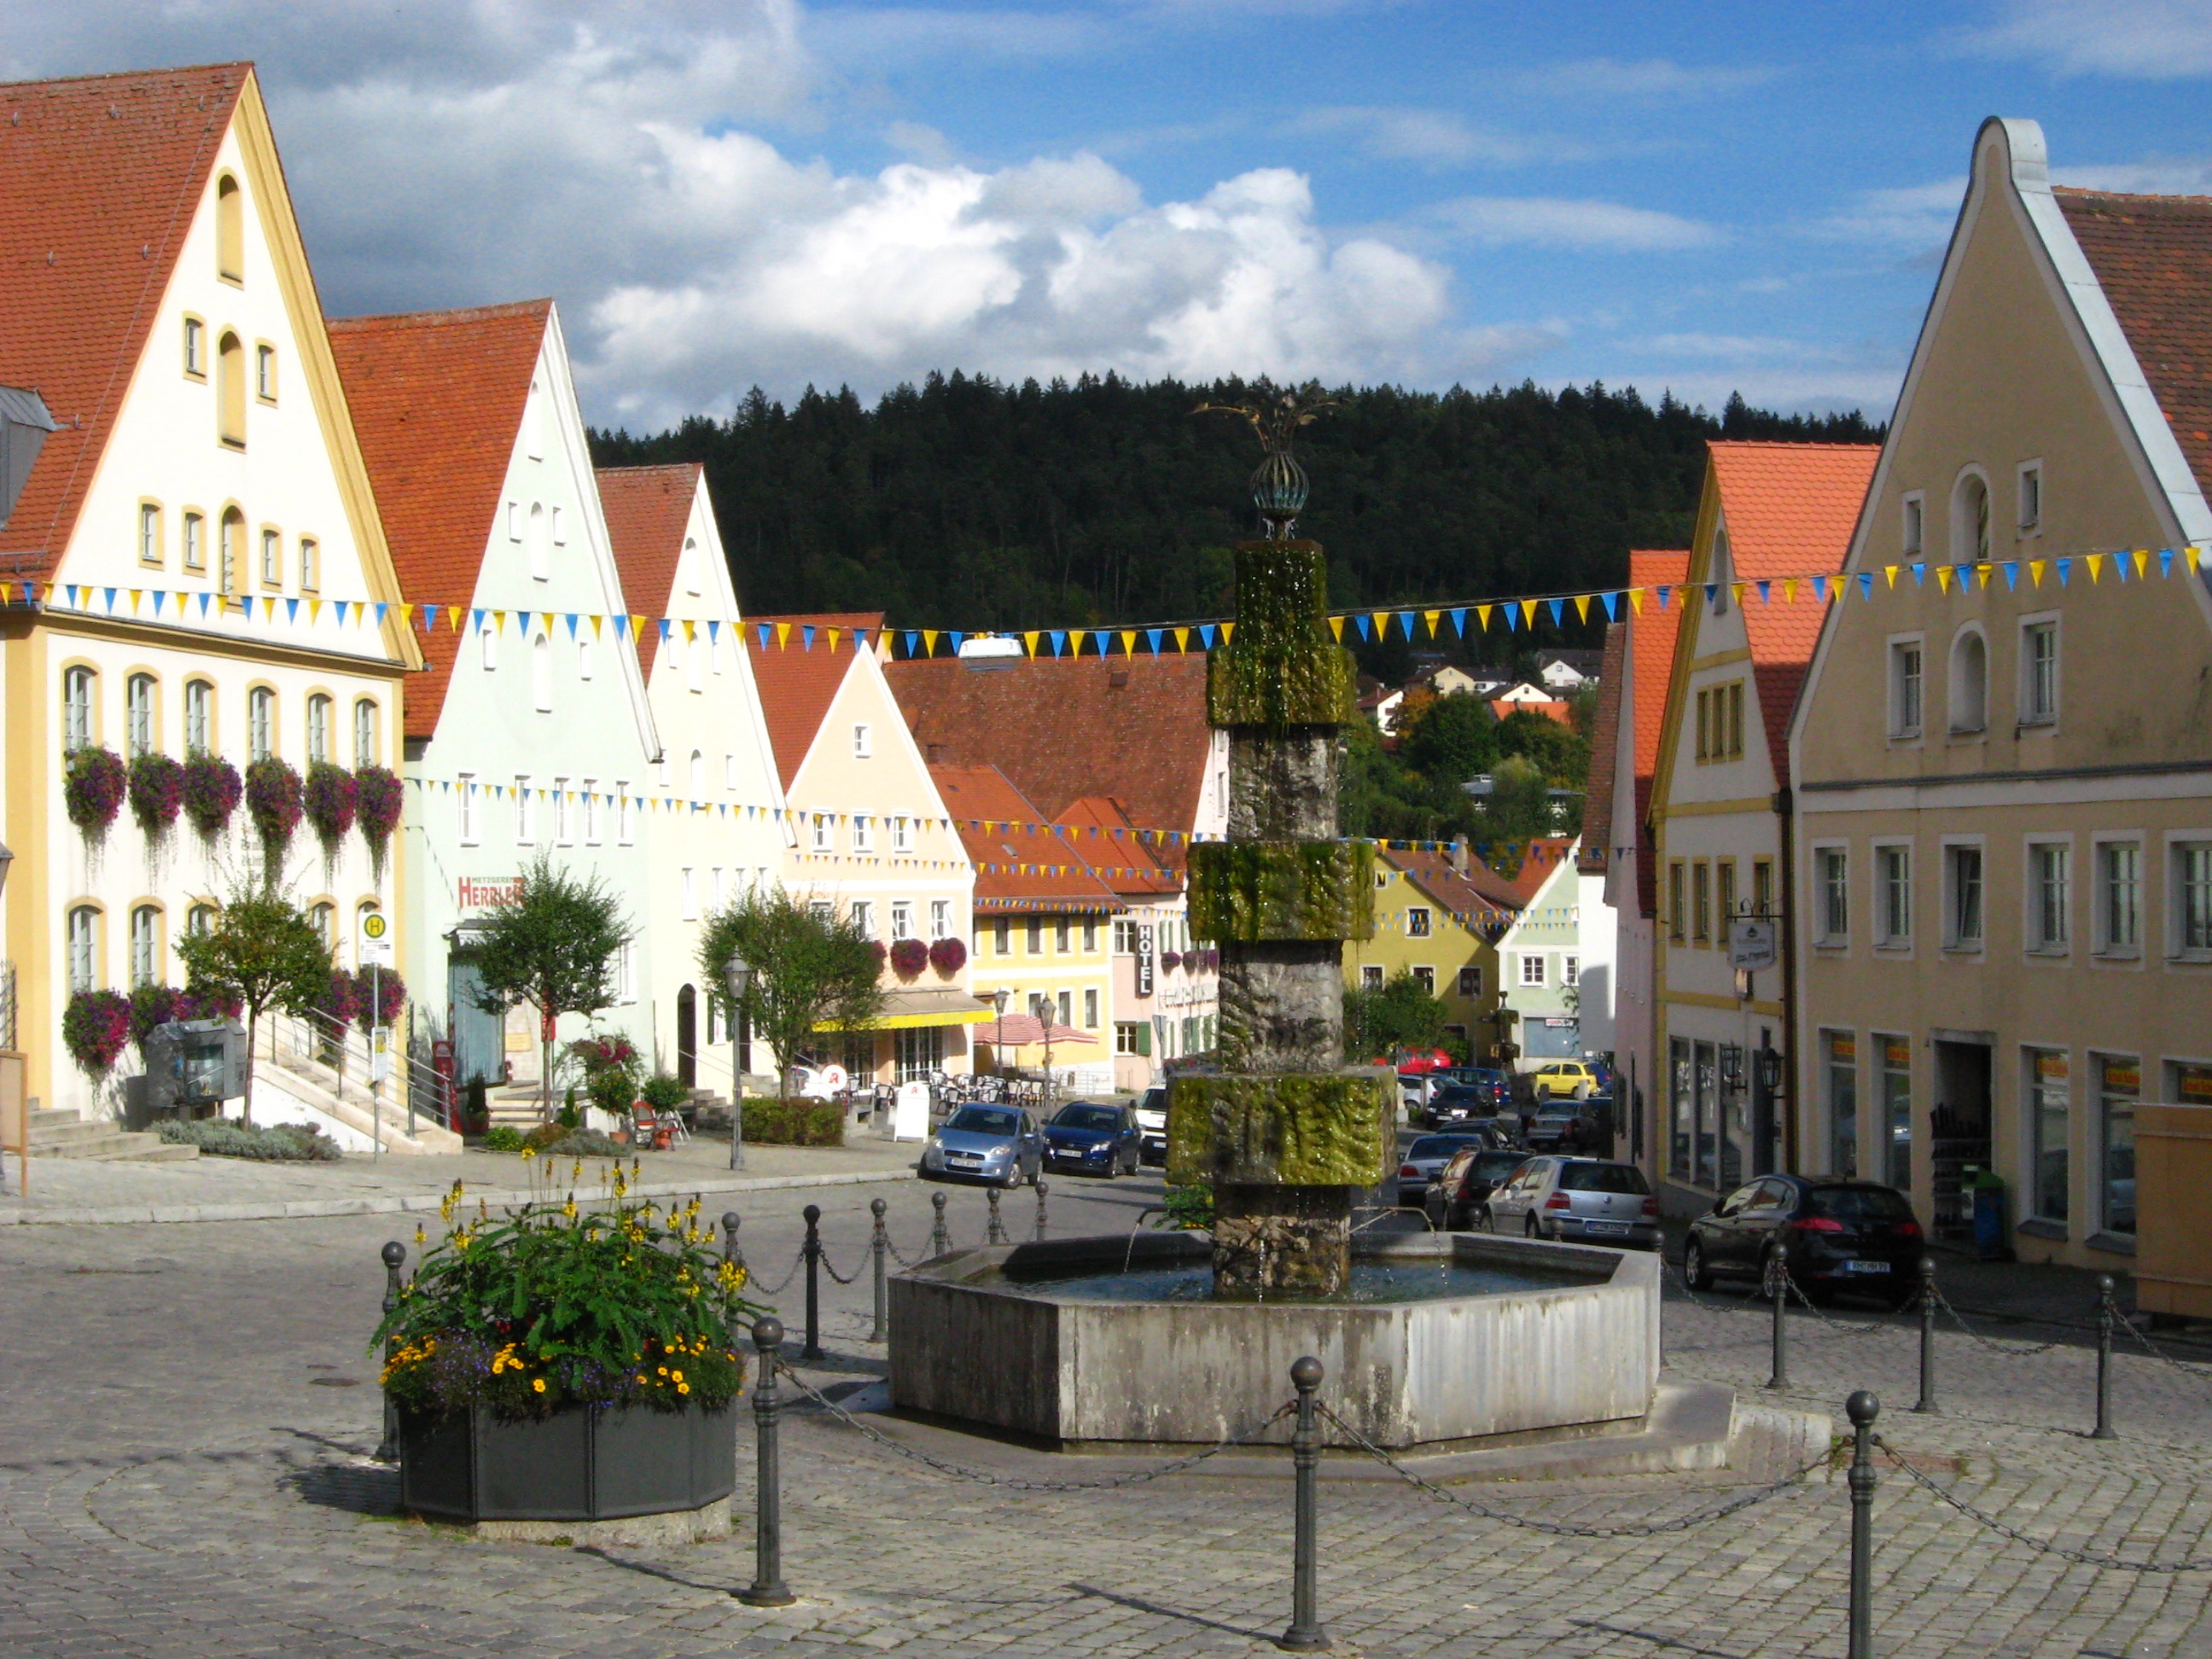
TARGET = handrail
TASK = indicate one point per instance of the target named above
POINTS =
(312, 1036)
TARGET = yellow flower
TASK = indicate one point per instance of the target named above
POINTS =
(539, 1385)
(683, 1388)
(529, 1152)
(676, 1377)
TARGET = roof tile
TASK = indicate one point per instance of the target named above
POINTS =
(798, 684)
(1023, 862)
(646, 508)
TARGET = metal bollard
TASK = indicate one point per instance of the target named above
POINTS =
(394, 1255)
(768, 1589)
(1861, 1409)
(1927, 1400)
(1041, 1190)
(731, 1253)
(940, 1236)
(996, 1232)
(1777, 1287)
(879, 1247)
(1306, 1634)
(811, 1349)
(2105, 1315)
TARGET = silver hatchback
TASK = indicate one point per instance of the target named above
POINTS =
(1581, 1201)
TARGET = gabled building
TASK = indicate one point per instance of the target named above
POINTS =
(722, 828)
(1131, 729)
(874, 840)
(1540, 955)
(193, 560)
(2003, 757)
(1772, 517)
(530, 733)
(1438, 915)
(1640, 662)
(1044, 929)
(1162, 987)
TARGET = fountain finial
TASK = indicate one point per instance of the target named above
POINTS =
(1279, 483)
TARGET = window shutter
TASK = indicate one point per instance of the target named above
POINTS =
(1145, 1038)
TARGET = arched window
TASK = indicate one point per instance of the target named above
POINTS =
(1970, 521)
(199, 921)
(264, 373)
(199, 717)
(260, 723)
(229, 229)
(78, 729)
(145, 945)
(541, 550)
(698, 780)
(195, 542)
(84, 948)
(139, 716)
(230, 391)
(318, 727)
(323, 918)
(1969, 681)
(311, 564)
(365, 750)
(541, 672)
(232, 557)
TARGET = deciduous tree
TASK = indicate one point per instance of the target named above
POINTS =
(262, 952)
(812, 969)
(553, 949)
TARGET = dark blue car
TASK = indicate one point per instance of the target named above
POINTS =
(1100, 1140)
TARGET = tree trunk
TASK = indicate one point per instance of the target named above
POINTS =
(252, 1026)
(545, 1066)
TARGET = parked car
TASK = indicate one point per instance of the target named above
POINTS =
(1420, 1163)
(1454, 1198)
(1585, 1201)
(1835, 1235)
(1564, 1080)
(1153, 1125)
(1571, 1127)
(1094, 1139)
(999, 1145)
(1471, 1093)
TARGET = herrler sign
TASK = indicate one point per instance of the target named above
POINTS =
(475, 894)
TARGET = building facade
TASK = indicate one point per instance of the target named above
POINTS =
(1540, 955)
(2003, 762)
(1437, 917)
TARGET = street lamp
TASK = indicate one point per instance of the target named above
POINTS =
(738, 977)
(1041, 1006)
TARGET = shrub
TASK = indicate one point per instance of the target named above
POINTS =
(476, 1110)
(539, 1136)
(795, 1122)
(550, 1306)
(273, 802)
(157, 793)
(1188, 1208)
(93, 786)
(908, 957)
(664, 1093)
(95, 1027)
(279, 1143)
(212, 791)
(330, 799)
(584, 1143)
(500, 1137)
(948, 955)
(610, 1066)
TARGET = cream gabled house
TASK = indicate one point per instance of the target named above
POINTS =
(1774, 522)
(193, 561)
(722, 831)
(2004, 750)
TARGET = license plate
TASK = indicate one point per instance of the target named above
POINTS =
(963, 1157)
(1605, 1226)
(1866, 1267)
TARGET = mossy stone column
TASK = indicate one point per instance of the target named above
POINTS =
(1285, 1131)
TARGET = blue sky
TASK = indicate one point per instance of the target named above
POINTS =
(1707, 197)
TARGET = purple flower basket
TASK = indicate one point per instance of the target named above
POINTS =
(95, 1026)
(909, 957)
(331, 798)
(948, 956)
(212, 792)
(272, 800)
(379, 799)
(379, 997)
(157, 793)
(92, 788)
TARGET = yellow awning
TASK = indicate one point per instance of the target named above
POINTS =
(910, 1007)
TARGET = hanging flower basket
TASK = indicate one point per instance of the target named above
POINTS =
(272, 800)
(152, 1005)
(341, 1002)
(948, 956)
(92, 788)
(378, 998)
(1169, 959)
(331, 798)
(212, 791)
(95, 1028)
(157, 793)
(883, 953)
(909, 957)
(378, 798)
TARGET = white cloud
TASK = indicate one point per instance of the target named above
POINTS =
(1554, 222)
(1655, 78)
(2182, 176)
(1913, 216)
(2124, 40)
(1436, 137)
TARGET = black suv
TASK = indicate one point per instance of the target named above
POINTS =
(1835, 1235)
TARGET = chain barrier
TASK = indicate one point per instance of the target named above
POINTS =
(984, 1477)
(797, 1263)
(2198, 1372)
(2080, 1558)
(901, 1256)
(842, 1278)
(2010, 1351)
(1568, 1528)
(1844, 1326)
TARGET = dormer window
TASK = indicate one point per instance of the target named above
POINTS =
(229, 230)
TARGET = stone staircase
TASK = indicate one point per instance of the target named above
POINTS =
(66, 1134)
(346, 1102)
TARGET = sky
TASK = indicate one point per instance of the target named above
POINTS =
(1701, 199)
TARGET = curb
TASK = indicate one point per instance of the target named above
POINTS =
(411, 1203)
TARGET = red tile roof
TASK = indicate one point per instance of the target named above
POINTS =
(1104, 833)
(1596, 854)
(437, 397)
(1651, 644)
(797, 684)
(646, 508)
(1131, 727)
(1791, 510)
(99, 178)
(1023, 865)
(1563, 712)
(2153, 258)
(1539, 858)
(1480, 897)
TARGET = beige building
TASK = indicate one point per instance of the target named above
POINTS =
(2003, 754)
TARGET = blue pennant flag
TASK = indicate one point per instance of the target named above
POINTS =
(2121, 562)
(1512, 618)
(291, 611)
(1664, 592)
(1866, 584)
(1206, 635)
(1612, 604)
(476, 621)
(380, 608)
(429, 619)
(1459, 621)
(1406, 622)
(2012, 574)
(713, 630)
(572, 624)
(2164, 562)
(955, 639)
(1361, 618)
(806, 636)
(1099, 637)
(1153, 635)
(913, 639)
(1712, 589)
(1920, 575)
(1059, 642)
(1558, 605)
(1766, 591)
(2065, 569)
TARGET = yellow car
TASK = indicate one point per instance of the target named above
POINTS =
(1564, 1080)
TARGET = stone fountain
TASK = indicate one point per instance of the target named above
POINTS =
(1183, 1337)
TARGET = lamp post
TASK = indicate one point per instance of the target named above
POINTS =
(998, 1031)
(738, 977)
(1041, 1005)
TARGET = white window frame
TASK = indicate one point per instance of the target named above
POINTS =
(1912, 525)
(2032, 627)
(822, 830)
(1902, 730)
(2104, 844)
(560, 812)
(1825, 936)
(145, 963)
(864, 833)
(1371, 976)
(525, 813)
(1418, 920)
(81, 933)
(1424, 975)
(260, 722)
(863, 913)
(687, 885)
(311, 565)
(149, 533)
(864, 741)
(141, 731)
(2179, 843)
(192, 542)
(464, 786)
(1955, 941)
(1885, 937)
(901, 836)
(199, 716)
(940, 919)
(589, 793)
(365, 722)
(1537, 980)
(1571, 970)
(902, 918)
(80, 708)
(2034, 853)
(2028, 498)
(623, 836)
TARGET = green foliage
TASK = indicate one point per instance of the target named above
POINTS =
(549, 1305)
(475, 1107)
(1282, 889)
(663, 1092)
(1561, 753)
(1295, 1129)
(583, 1143)
(1451, 740)
(1400, 1015)
(965, 503)
(502, 1138)
(279, 1143)
(1188, 1208)
(554, 948)
(795, 1122)
(812, 972)
(262, 953)
(1378, 795)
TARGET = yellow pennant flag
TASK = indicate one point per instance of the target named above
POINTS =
(637, 627)
(1228, 628)
(1030, 640)
(1183, 639)
(1128, 643)
(454, 619)
(1382, 620)
(1581, 606)
(137, 593)
(690, 630)
(407, 616)
(1482, 615)
(1430, 617)
(1789, 590)
(2142, 562)
(545, 621)
(314, 610)
(597, 622)
(783, 636)
(1890, 571)
(1983, 571)
(1636, 600)
(499, 622)
(1738, 588)
(1336, 627)
(1943, 577)
(2096, 563)
(2035, 571)
(2191, 552)
(1528, 613)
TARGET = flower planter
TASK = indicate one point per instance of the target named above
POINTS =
(582, 1463)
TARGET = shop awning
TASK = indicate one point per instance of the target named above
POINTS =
(911, 1006)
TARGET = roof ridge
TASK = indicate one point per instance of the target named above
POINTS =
(245, 64)
(440, 319)
(2128, 195)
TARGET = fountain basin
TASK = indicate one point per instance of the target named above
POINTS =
(1520, 1339)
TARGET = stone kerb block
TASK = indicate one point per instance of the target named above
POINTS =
(1254, 891)
(1297, 1129)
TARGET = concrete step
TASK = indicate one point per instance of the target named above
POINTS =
(298, 1085)
(117, 1146)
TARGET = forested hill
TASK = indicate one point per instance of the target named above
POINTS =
(966, 503)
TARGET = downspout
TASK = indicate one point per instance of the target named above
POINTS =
(1784, 809)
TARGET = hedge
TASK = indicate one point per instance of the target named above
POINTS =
(795, 1122)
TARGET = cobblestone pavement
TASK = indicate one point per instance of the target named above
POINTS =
(182, 1472)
